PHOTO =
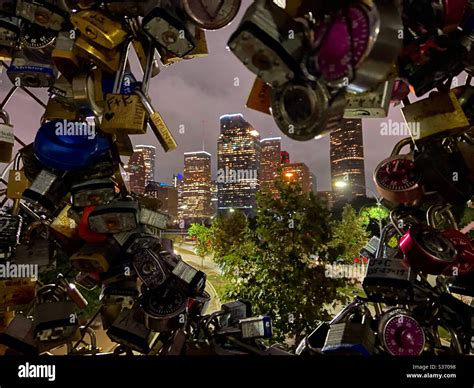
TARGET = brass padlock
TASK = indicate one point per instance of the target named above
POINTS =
(64, 56)
(109, 60)
(7, 138)
(58, 110)
(438, 115)
(96, 27)
(17, 183)
(260, 97)
(123, 114)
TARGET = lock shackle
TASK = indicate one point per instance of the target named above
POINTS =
(400, 145)
(123, 66)
(32, 227)
(51, 293)
(395, 217)
(435, 211)
(385, 234)
(16, 161)
(356, 303)
(5, 116)
(84, 330)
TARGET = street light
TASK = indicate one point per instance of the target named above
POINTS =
(378, 198)
(232, 210)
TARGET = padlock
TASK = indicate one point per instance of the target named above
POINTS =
(234, 311)
(92, 193)
(443, 169)
(58, 110)
(66, 231)
(372, 104)
(358, 46)
(152, 271)
(153, 219)
(9, 31)
(263, 43)
(47, 190)
(69, 146)
(260, 97)
(64, 56)
(124, 113)
(18, 292)
(159, 127)
(256, 327)
(190, 280)
(7, 138)
(37, 249)
(29, 73)
(85, 233)
(200, 51)
(19, 336)
(89, 349)
(167, 26)
(98, 28)
(388, 279)
(84, 94)
(306, 110)
(396, 178)
(104, 168)
(87, 280)
(314, 342)
(10, 229)
(73, 292)
(47, 14)
(137, 240)
(95, 257)
(115, 217)
(351, 337)
(116, 296)
(164, 309)
(17, 184)
(210, 15)
(31, 165)
(425, 249)
(54, 316)
(126, 8)
(400, 333)
(438, 115)
(108, 60)
(130, 332)
(464, 264)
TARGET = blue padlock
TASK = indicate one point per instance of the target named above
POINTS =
(69, 146)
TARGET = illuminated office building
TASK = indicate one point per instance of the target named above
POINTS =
(347, 159)
(238, 165)
(141, 168)
(167, 195)
(270, 163)
(297, 173)
(195, 201)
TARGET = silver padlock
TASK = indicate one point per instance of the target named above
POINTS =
(371, 104)
(30, 73)
(47, 14)
(9, 30)
(7, 138)
(54, 316)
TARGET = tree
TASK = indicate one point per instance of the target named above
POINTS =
(227, 230)
(280, 266)
(202, 235)
(349, 234)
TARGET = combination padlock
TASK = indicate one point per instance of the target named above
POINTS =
(388, 279)
(131, 332)
(396, 178)
(164, 309)
(306, 110)
(425, 249)
(263, 43)
(167, 26)
(7, 138)
(48, 14)
(54, 316)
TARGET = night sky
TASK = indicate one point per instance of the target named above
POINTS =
(195, 94)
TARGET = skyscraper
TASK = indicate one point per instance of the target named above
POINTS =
(270, 163)
(347, 159)
(195, 201)
(238, 165)
(297, 173)
(167, 195)
(141, 168)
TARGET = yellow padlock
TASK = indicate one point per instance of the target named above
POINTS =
(260, 97)
(17, 183)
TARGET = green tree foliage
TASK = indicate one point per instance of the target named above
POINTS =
(202, 236)
(227, 230)
(280, 266)
(349, 235)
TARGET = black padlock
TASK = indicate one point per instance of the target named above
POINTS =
(446, 172)
(10, 228)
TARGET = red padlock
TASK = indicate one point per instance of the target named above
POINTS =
(465, 249)
(85, 232)
(427, 250)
